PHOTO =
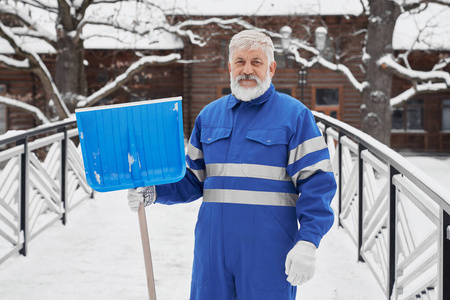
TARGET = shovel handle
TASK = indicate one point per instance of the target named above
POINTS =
(147, 253)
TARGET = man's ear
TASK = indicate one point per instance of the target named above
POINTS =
(272, 67)
(229, 67)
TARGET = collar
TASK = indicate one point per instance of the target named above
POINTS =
(233, 101)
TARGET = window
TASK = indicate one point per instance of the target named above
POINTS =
(102, 77)
(283, 61)
(2, 119)
(408, 116)
(327, 100)
(397, 118)
(224, 53)
(446, 115)
(222, 91)
(327, 97)
(2, 110)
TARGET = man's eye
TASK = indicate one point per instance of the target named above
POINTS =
(256, 62)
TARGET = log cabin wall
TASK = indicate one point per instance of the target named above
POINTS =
(209, 80)
(206, 80)
(425, 117)
(103, 66)
(153, 82)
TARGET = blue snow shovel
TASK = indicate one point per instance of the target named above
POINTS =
(133, 145)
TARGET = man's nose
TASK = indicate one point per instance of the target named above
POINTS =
(247, 69)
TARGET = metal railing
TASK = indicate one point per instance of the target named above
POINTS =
(397, 216)
(41, 180)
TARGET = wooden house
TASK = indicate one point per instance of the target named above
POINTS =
(421, 124)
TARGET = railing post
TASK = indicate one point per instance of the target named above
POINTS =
(361, 148)
(64, 173)
(445, 272)
(340, 178)
(392, 251)
(24, 195)
(325, 135)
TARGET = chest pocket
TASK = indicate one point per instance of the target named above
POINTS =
(215, 141)
(212, 134)
(266, 152)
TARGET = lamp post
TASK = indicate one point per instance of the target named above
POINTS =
(320, 38)
(286, 36)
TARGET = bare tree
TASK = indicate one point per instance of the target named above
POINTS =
(380, 64)
(69, 21)
(73, 22)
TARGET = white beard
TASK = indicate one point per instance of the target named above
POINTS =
(249, 93)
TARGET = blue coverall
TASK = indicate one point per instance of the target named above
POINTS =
(260, 166)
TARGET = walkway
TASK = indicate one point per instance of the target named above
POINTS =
(98, 255)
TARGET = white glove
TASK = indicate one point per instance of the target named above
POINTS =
(138, 195)
(301, 263)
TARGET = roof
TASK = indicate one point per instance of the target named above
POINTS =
(265, 7)
(411, 31)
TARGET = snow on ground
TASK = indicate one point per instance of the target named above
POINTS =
(98, 255)
(437, 167)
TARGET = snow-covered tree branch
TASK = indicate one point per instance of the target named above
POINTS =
(36, 65)
(359, 86)
(421, 88)
(388, 62)
(75, 21)
(124, 77)
(33, 110)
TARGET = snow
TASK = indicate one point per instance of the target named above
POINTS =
(412, 91)
(437, 167)
(11, 133)
(144, 61)
(426, 30)
(20, 104)
(266, 7)
(388, 61)
(98, 254)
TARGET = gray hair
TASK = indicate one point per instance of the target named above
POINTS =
(251, 40)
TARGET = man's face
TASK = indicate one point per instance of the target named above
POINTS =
(250, 62)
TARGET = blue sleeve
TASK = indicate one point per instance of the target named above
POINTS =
(189, 188)
(186, 190)
(310, 169)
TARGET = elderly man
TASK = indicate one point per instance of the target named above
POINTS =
(260, 163)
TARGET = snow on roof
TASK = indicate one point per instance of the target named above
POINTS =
(162, 41)
(265, 7)
(427, 30)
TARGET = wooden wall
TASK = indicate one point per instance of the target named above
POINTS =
(431, 138)
(153, 82)
(208, 77)
(103, 66)
(201, 83)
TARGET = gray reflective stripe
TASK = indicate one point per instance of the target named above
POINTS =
(200, 174)
(308, 146)
(247, 170)
(193, 152)
(323, 165)
(249, 197)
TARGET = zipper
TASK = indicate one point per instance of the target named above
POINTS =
(225, 161)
